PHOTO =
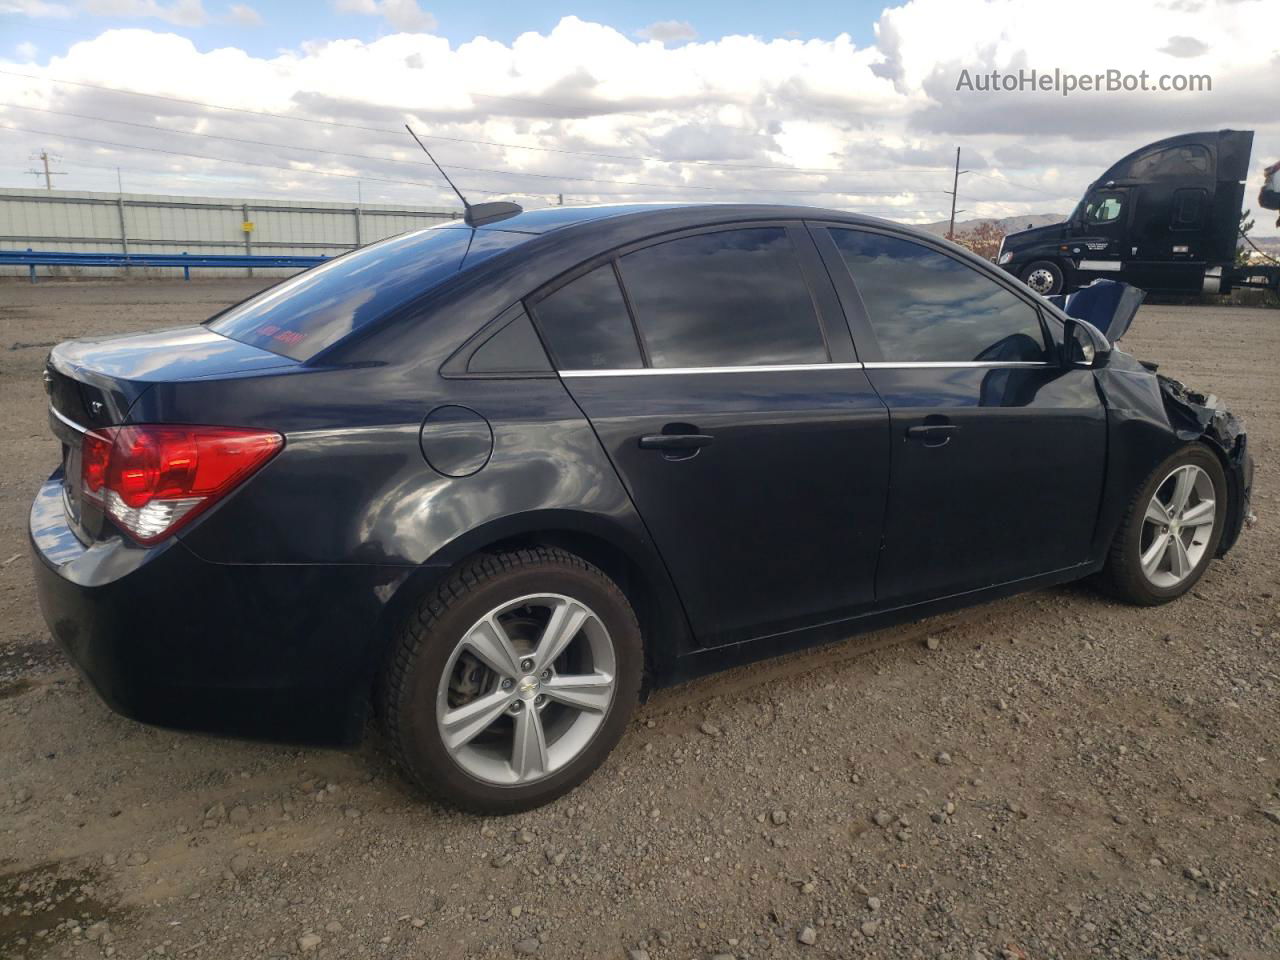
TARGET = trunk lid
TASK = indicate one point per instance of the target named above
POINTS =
(94, 382)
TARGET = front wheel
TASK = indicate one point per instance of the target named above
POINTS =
(1171, 530)
(514, 681)
(1044, 277)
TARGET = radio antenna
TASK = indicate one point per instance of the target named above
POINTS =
(478, 214)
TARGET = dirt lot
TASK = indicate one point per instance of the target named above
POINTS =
(1047, 776)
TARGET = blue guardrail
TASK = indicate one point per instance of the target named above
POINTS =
(184, 261)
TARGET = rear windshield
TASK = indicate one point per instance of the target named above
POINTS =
(301, 316)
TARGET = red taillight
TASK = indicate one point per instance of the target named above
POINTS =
(152, 479)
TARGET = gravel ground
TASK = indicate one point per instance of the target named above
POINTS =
(1051, 776)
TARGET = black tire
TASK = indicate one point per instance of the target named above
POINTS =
(1052, 269)
(1123, 577)
(425, 644)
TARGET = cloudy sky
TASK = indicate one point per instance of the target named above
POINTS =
(851, 105)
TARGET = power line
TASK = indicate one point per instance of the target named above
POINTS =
(571, 178)
(299, 171)
(246, 163)
(1013, 183)
(632, 158)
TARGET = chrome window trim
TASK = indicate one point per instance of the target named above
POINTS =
(68, 421)
(926, 364)
(669, 371)
(790, 367)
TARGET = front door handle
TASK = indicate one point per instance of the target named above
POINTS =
(932, 434)
(677, 442)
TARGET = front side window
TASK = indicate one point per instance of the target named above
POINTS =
(1104, 208)
(586, 324)
(725, 299)
(925, 306)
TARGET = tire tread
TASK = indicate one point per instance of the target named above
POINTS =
(418, 632)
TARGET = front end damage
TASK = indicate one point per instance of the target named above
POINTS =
(1198, 416)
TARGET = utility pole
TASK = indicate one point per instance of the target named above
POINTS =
(44, 158)
(955, 188)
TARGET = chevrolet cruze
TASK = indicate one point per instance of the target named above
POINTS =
(489, 483)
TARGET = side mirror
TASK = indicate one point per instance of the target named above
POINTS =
(1084, 345)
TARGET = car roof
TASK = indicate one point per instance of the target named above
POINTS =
(552, 219)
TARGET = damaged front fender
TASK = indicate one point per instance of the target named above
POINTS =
(1198, 416)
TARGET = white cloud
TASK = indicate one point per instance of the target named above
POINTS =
(668, 31)
(244, 15)
(404, 15)
(1184, 47)
(181, 13)
(26, 50)
(36, 8)
(819, 121)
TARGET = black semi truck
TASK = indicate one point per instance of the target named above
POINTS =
(1166, 219)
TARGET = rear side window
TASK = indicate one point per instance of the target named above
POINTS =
(926, 306)
(586, 324)
(725, 299)
(315, 309)
(513, 349)
(1186, 208)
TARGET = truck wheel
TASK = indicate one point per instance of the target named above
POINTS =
(1170, 531)
(1044, 277)
(513, 681)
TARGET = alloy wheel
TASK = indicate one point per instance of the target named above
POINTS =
(1177, 526)
(526, 689)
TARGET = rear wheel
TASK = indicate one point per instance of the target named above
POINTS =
(1171, 530)
(514, 681)
(1044, 277)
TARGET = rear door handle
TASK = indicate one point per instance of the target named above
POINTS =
(679, 442)
(932, 434)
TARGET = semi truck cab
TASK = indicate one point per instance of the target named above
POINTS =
(1165, 219)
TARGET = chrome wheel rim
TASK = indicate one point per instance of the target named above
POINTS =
(1177, 526)
(526, 689)
(1041, 281)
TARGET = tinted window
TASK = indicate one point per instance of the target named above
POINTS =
(306, 313)
(733, 298)
(1191, 160)
(513, 349)
(1103, 208)
(587, 326)
(925, 306)
(1186, 209)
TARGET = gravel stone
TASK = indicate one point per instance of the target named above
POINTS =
(308, 942)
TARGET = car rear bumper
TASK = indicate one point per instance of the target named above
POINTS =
(279, 652)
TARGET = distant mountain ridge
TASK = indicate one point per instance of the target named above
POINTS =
(1005, 224)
